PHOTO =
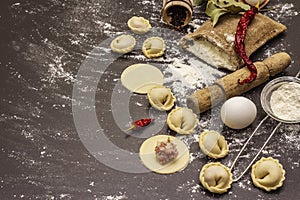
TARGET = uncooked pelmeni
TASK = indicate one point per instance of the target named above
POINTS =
(161, 98)
(216, 177)
(149, 159)
(213, 144)
(140, 78)
(182, 120)
(139, 25)
(268, 174)
(123, 44)
(154, 47)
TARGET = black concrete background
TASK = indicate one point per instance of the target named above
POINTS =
(42, 45)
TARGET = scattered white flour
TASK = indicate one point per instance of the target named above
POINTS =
(283, 12)
(285, 101)
(230, 38)
(114, 197)
(186, 76)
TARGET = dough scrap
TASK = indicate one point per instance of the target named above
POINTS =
(182, 120)
(216, 177)
(154, 47)
(140, 78)
(161, 98)
(123, 44)
(268, 174)
(148, 157)
(213, 144)
(139, 25)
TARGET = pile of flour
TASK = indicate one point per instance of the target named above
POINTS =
(285, 101)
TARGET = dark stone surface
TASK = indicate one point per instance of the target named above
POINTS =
(43, 45)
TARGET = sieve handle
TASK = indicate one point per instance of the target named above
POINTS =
(258, 153)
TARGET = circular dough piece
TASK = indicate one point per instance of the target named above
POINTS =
(182, 120)
(216, 177)
(139, 25)
(268, 174)
(140, 78)
(154, 47)
(213, 144)
(123, 44)
(161, 98)
(148, 157)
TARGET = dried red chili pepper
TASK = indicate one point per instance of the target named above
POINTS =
(140, 123)
(240, 35)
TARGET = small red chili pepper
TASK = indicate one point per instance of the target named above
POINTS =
(140, 123)
(240, 35)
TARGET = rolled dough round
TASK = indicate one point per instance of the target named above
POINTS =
(148, 158)
(140, 78)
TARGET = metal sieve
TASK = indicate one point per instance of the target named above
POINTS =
(265, 101)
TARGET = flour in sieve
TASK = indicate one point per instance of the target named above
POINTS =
(285, 101)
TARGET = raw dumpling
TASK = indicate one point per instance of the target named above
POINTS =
(123, 44)
(268, 174)
(161, 98)
(213, 144)
(216, 177)
(149, 159)
(153, 47)
(182, 120)
(139, 25)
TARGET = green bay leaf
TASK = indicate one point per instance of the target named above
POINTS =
(216, 8)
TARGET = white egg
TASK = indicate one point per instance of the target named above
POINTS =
(238, 112)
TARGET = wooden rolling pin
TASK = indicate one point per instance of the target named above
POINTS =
(228, 86)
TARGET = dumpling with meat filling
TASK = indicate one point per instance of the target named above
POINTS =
(139, 25)
(182, 120)
(154, 47)
(123, 44)
(161, 98)
(213, 144)
(164, 154)
(268, 174)
(216, 177)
